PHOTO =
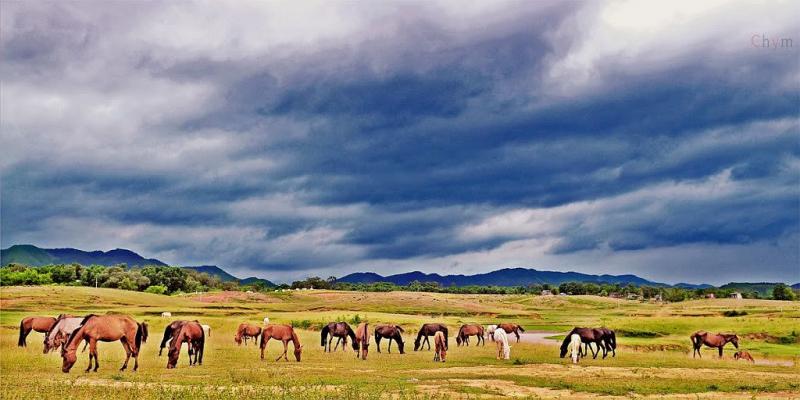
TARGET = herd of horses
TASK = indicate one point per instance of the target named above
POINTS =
(67, 332)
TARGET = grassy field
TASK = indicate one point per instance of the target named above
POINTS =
(653, 361)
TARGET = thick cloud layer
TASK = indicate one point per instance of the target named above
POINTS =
(281, 140)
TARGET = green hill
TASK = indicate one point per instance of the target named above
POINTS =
(26, 254)
(764, 289)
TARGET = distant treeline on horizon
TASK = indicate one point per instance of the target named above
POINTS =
(160, 279)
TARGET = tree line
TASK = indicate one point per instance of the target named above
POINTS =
(151, 279)
(173, 280)
(671, 294)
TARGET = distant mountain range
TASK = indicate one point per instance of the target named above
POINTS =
(502, 277)
(35, 256)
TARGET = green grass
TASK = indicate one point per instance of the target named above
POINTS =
(230, 371)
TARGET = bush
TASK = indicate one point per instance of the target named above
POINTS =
(156, 289)
(734, 313)
(304, 324)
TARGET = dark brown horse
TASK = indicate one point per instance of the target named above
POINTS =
(718, 340)
(38, 324)
(191, 333)
(608, 339)
(511, 328)
(169, 333)
(105, 328)
(246, 331)
(361, 341)
(391, 332)
(285, 334)
(429, 330)
(588, 335)
(340, 330)
(469, 330)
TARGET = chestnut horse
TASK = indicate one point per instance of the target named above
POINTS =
(191, 333)
(470, 330)
(361, 341)
(38, 324)
(439, 346)
(391, 332)
(340, 330)
(247, 331)
(719, 341)
(511, 328)
(429, 330)
(105, 328)
(284, 333)
(743, 355)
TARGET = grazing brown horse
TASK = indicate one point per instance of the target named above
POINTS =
(247, 331)
(105, 328)
(391, 332)
(439, 346)
(588, 335)
(38, 324)
(608, 342)
(511, 328)
(169, 332)
(284, 333)
(340, 330)
(361, 341)
(470, 330)
(429, 330)
(191, 333)
(743, 355)
(718, 340)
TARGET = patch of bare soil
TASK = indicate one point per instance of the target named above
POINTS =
(228, 296)
(499, 389)
(539, 337)
(558, 371)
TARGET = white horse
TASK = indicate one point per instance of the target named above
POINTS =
(206, 330)
(266, 320)
(503, 348)
(166, 314)
(490, 331)
(575, 347)
(58, 334)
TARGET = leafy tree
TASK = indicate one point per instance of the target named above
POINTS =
(782, 292)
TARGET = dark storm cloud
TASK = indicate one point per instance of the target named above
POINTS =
(397, 140)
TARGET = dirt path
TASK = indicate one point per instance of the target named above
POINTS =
(539, 337)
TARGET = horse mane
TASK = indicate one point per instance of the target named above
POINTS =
(86, 318)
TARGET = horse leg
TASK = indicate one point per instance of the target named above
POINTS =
(93, 351)
(516, 332)
(595, 353)
(338, 340)
(127, 353)
(264, 342)
(328, 348)
(720, 351)
(390, 346)
(428, 342)
(92, 354)
(378, 342)
(285, 349)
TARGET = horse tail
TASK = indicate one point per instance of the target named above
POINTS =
(613, 337)
(140, 333)
(520, 328)
(22, 334)
(167, 335)
(260, 332)
(446, 337)
(399, 328)
(324, 335)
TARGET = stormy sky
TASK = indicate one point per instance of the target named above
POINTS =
(285, 140)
